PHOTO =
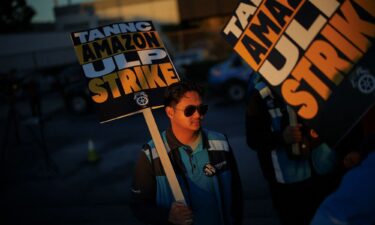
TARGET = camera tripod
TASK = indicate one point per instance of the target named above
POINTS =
(34, 126)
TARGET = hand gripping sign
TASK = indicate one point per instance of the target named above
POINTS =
(128, 69)
(315, 54)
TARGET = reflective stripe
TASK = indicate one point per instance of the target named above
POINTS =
(260, 85)
(215, 145)
(275, 112)
(218, 145)
(264, 92)
(155, 154)
(276, 165)
(276, 115)
(278, 112)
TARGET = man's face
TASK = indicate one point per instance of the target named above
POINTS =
(177, 113)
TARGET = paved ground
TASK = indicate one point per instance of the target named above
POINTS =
(72, 190)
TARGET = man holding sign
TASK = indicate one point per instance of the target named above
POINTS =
(128, 69)
(204, 164)
(293, 159)
(315, 57)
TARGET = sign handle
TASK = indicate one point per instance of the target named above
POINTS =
(164, 159)
(293, 122)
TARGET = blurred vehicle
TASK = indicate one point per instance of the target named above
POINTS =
(231, 77)
(72, 84)
(188, 57)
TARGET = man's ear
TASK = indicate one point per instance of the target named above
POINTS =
(169, 111)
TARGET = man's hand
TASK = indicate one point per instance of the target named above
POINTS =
(180, 214)
(292, 134)
(352, 159)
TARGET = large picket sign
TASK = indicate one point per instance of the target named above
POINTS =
(124, 62)
(128, 69)
(317, 55)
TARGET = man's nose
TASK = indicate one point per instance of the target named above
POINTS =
(196, 115)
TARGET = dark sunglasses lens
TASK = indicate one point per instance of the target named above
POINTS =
(203, 109)
(190, 110)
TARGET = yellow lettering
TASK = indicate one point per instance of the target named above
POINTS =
(128, 81)
(341, 43)
(303, 71)
(168, 73)
(309, 106)
(95, 87)
(141, 77)
(152, 76)
(325, 57)
(111, 80)
(353, 27)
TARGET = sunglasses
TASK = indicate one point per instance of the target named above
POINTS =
(190, 110)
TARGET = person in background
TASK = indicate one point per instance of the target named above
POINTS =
(348, 150)
(204, 164)
(293, 159)
(354, 200)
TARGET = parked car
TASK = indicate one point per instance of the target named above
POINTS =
(188, 57)
(231, 77)
(72, 84)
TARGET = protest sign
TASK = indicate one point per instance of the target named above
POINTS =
(315, 54)
(128, 69)
(123, 62)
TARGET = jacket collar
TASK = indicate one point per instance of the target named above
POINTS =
(175, 144)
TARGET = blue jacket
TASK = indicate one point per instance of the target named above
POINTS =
(152, 196)
(354, 201)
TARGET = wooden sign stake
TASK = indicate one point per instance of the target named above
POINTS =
(163, 155)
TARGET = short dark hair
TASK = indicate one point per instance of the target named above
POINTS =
(177, 90)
